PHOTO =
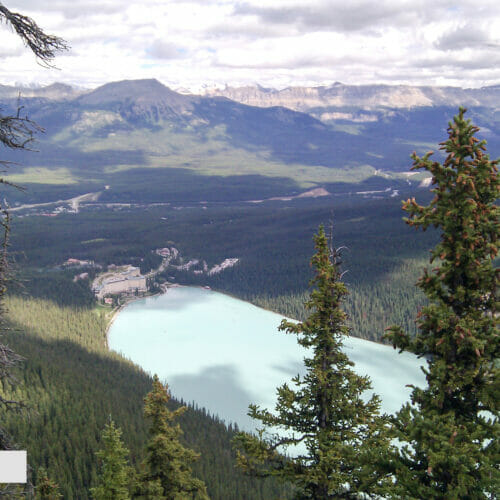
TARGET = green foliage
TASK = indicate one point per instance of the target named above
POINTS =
(149, 262)
(166, 467)
(114, 477)
(72, 383)
(57, 286)
(271, 240)
(46, 488)
(450, 433)
(326, 413)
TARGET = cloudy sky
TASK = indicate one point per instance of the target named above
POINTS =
(276, 43)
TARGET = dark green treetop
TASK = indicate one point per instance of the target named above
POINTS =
(166, 468)
(338, 430)
(46, 488)
(450, 432)
(115, 473)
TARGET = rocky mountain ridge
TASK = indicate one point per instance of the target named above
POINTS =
(150, 143)
(304, 99)
(339, 95)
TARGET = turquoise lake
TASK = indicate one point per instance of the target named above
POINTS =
(223, 353)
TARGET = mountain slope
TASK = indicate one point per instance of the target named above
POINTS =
(134, 98)
(72, 386)
(149, 143)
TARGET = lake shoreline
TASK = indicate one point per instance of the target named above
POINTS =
(114, 312)
(129, 300)
(210, 346)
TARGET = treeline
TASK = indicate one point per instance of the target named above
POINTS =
(72, 385)
(371, 306)
(382, 257)
(276, 234)
(58, 286)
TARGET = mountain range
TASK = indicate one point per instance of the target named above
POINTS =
(361, 96)
(306, 98)
(147, 141)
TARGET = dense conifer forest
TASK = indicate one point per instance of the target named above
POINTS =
(72, 385)
(272, 242)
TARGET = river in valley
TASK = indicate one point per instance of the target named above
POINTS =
(223, 353)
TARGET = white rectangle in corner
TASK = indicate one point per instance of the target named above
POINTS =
(13, 466)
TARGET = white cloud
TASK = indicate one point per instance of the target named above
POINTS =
(273, 42)
(161, 49)
(467, 36)
(349, 16)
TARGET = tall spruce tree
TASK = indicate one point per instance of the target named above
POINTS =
(327, 413)
(166, 469)
(449, 435)
(115, 473)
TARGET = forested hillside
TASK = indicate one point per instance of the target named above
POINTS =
(148, 143)
(381, 257)
(72, 385)
(132, 171)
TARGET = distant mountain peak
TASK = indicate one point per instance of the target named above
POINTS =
(146, 91)
(147, 98)
(58, 86)
(130, 89)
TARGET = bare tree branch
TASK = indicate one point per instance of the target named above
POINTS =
(8, 358)
(42, 45)
(16, 132)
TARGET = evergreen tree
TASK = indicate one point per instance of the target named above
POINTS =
(326, 414)
(450, 432)
(115, 473)
(46, 489)
(167, 474)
